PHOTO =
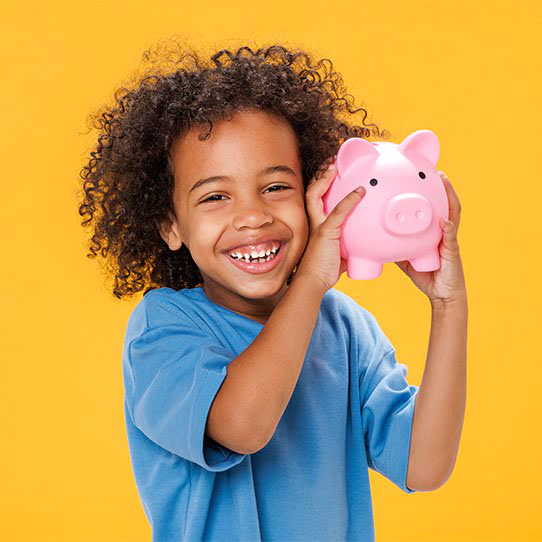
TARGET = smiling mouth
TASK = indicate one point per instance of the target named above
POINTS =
(259, 265)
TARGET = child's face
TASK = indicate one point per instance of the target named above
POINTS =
(240, 207)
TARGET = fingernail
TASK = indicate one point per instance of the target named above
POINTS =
(360, 189)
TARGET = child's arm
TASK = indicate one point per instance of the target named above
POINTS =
(261, 380)
(440, 405)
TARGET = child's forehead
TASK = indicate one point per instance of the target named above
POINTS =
(246, 143)
(247, 127)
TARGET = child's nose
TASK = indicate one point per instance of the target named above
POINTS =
(252, 213)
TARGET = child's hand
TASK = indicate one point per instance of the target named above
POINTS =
(322, 257)
(447, 284)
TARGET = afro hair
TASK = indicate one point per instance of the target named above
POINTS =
(127, 183)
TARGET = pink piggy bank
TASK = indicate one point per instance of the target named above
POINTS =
(398, 218)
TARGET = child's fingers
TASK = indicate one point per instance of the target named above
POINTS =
(449, 232)
(335, 219)
(313, 196)
(454, 205)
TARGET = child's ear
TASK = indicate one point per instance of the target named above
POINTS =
(171, 234)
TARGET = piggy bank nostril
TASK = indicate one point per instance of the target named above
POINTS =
(400, 217)
(419, 215)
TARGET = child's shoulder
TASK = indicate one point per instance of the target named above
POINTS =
(160, 306)
(161, 295)
(344, 304)
(359, 319)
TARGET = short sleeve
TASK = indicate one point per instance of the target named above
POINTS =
(387, 410)
(175, 371)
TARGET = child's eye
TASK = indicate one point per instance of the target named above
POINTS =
(220, 195)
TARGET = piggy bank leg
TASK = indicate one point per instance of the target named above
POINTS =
(362, 269)
(427, 262)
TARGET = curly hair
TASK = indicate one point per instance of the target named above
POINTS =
(127, 183)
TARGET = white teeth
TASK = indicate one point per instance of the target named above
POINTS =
(268, 255)
(254, 254)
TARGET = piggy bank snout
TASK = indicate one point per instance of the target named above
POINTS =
(407, 213)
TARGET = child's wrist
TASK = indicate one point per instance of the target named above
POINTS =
(458, 301)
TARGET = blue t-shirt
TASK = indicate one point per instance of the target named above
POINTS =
(351, 409)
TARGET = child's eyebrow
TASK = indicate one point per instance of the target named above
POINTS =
(264, 171)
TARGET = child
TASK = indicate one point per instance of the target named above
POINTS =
(257, 395)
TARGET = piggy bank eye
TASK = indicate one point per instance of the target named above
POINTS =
(373, 182)
(421, 174)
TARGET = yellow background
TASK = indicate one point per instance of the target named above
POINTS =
(467, 70)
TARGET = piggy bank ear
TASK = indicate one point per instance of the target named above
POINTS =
(423, 143)
(352, 150)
